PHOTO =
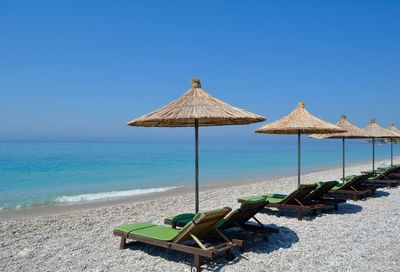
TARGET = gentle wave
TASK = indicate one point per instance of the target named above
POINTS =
(112, 194)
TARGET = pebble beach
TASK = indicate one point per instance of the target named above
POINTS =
(361, 236)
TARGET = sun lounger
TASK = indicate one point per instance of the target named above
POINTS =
(387, 176)
(321, 195)
(296, 201)
(189, 239)
(237, 223)
(354, 187)
(396, 167)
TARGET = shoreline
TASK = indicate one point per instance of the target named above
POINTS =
(65, 207)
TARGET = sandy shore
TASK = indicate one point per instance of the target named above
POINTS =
(361, 236)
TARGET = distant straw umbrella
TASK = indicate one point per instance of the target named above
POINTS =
(352, 132)
(394, 129)
(376, 131)
(196, 108)
(299, 121)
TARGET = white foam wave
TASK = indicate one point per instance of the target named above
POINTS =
(112, 194)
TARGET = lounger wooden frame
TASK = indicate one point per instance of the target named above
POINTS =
(354, 194)
(296, 201)
(239, 219)
(356, 188)
(384, 178)
(202, 250)
(321, 195)
(199, 245)
(390, 183)
(301, 209)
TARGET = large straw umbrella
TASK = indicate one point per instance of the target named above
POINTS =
(394, 129)
(196, 108)
(376, 131)
(299, 121)
(352, 132)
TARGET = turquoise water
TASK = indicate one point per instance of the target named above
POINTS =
(39, 172)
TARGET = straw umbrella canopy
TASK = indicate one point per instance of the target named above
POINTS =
(299, 121)
(352, 132)
(376, 131)
(394, 129)
(196, 108)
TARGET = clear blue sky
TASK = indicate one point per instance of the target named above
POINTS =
(85, 68)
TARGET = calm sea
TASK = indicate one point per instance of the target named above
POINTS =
(40, 172)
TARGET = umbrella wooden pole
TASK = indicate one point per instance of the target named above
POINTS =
(196, 129)
(298, 157)
(373, 154)
(391, 151)
(343, 157)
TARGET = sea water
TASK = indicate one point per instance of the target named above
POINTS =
(42, 172)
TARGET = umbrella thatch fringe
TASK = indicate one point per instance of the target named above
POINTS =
(299, 121)
(196, 104)
(394, 129)
(351, 131)
(376, 131)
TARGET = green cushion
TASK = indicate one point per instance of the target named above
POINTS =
(274, 200)
(251, 199)
(347, 178)
(338, 186)
(275, 196)
(183, 218)
(150, 231)
(220, 223)
(132, 227)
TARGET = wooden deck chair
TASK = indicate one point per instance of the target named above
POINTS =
(237, 223)
(388, 176)
(321, 195)
(189, 239)
(295, 201)
(354, 187)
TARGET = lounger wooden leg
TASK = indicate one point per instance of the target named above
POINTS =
(196, 263)
(122, 243)
(228, 255)
(299, 214)
(314, 212)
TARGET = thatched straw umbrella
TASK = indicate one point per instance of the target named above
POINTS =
(376, 131)
(394, 129)
(352, 132)
(299, 121)
(196, 108)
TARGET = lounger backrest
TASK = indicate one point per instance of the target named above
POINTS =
(240, 216)
(302, 191)
(358, 180)
(366, 176)
(384, 173)
(355, 181)
(201, 224)
(320, 191)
